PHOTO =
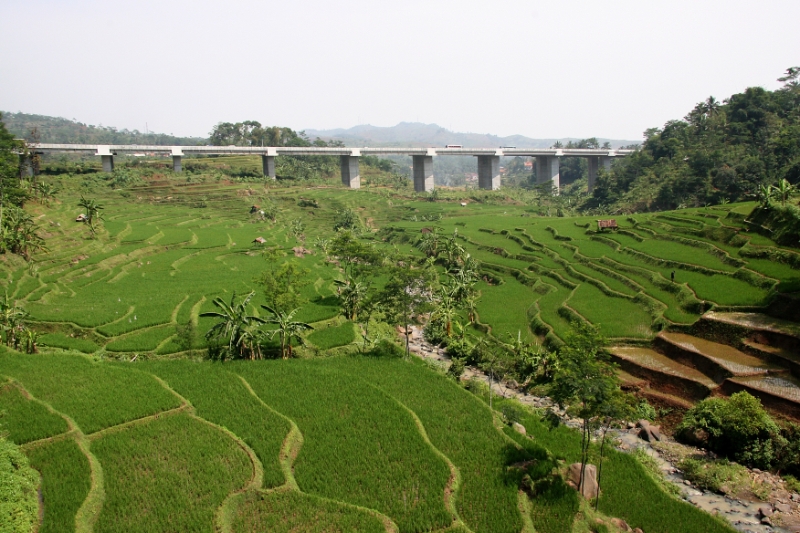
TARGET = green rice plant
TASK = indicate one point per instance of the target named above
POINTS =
(625, 485)
(60, 340)
(616, 317)
(505, 307)
(140, 233)
(18, 483)
(24, 420)
(222, 398)
(361, 448)
(169, 474)
(144, 341)
(94, 394)
(66, 479)
(290, 512)
(461, 427)
(331, 337)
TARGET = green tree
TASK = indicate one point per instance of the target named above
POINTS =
(287, 328)
(408, 292)
(93, 211)
(585, 382)
(283, 282)
(233, 329)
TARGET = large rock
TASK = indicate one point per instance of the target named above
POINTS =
(519, 428)
(589, 489)
(620, 524)
(650, 433)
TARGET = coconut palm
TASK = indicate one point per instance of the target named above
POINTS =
(235, 326)
(287, 329)
(93, 211)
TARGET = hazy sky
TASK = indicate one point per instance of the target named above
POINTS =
(543, 69)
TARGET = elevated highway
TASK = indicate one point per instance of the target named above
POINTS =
(488, 159)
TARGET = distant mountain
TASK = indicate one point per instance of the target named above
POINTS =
(62, 130)
(432, 135)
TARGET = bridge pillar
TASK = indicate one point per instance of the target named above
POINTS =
(423, 173)
(548, 170)
(268, 165)
(108, 163)
(177, 154)
(25, 166)
(606, 162)
(350, 175)
(594, 162)
(489, 172)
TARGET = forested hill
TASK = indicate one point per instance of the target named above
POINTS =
(720, 152)
(62, 130)
(419, 134)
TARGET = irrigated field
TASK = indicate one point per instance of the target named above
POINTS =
(132, 432)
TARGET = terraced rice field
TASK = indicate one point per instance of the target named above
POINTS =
(383, 444)
(343, 441)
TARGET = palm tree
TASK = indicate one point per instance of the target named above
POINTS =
(446, 308)
(352, 295)
(783, 190)
(765, 195)
(92, 211)
(429, 243)
(235, 326)
(11, 317)
(287, 328)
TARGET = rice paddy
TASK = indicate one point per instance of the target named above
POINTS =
(129, 429)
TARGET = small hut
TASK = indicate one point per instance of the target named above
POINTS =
(259, 240)
(606, 224)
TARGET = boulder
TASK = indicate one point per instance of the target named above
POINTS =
(589, 489)
(519, 428)
(783, 507)
(650, 433)
(621, 524)
(765, 511)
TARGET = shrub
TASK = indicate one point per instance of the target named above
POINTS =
(720, 476)
(738, 428)
(18, 503)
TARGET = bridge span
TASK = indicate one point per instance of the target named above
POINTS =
(488, 159)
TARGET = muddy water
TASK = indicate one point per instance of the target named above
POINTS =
(743, 515)
(784, 386)
(649, 358)
(733, 360)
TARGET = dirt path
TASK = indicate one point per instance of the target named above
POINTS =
(742, 515)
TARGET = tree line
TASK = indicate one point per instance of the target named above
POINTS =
(719, 152)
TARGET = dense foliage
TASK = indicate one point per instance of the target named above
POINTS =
(740, 429)
(61, 130)
(721, 151)
(18, 502)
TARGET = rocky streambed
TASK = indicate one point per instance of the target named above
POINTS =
(778, 513)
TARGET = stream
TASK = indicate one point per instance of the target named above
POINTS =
(742, 514)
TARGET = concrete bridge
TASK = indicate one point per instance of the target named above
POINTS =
(547, 160)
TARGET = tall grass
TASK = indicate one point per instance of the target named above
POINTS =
(94, 394)
(66, 479)
(220, 397)
(25, 420)
(360, 447)
(169, 474)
